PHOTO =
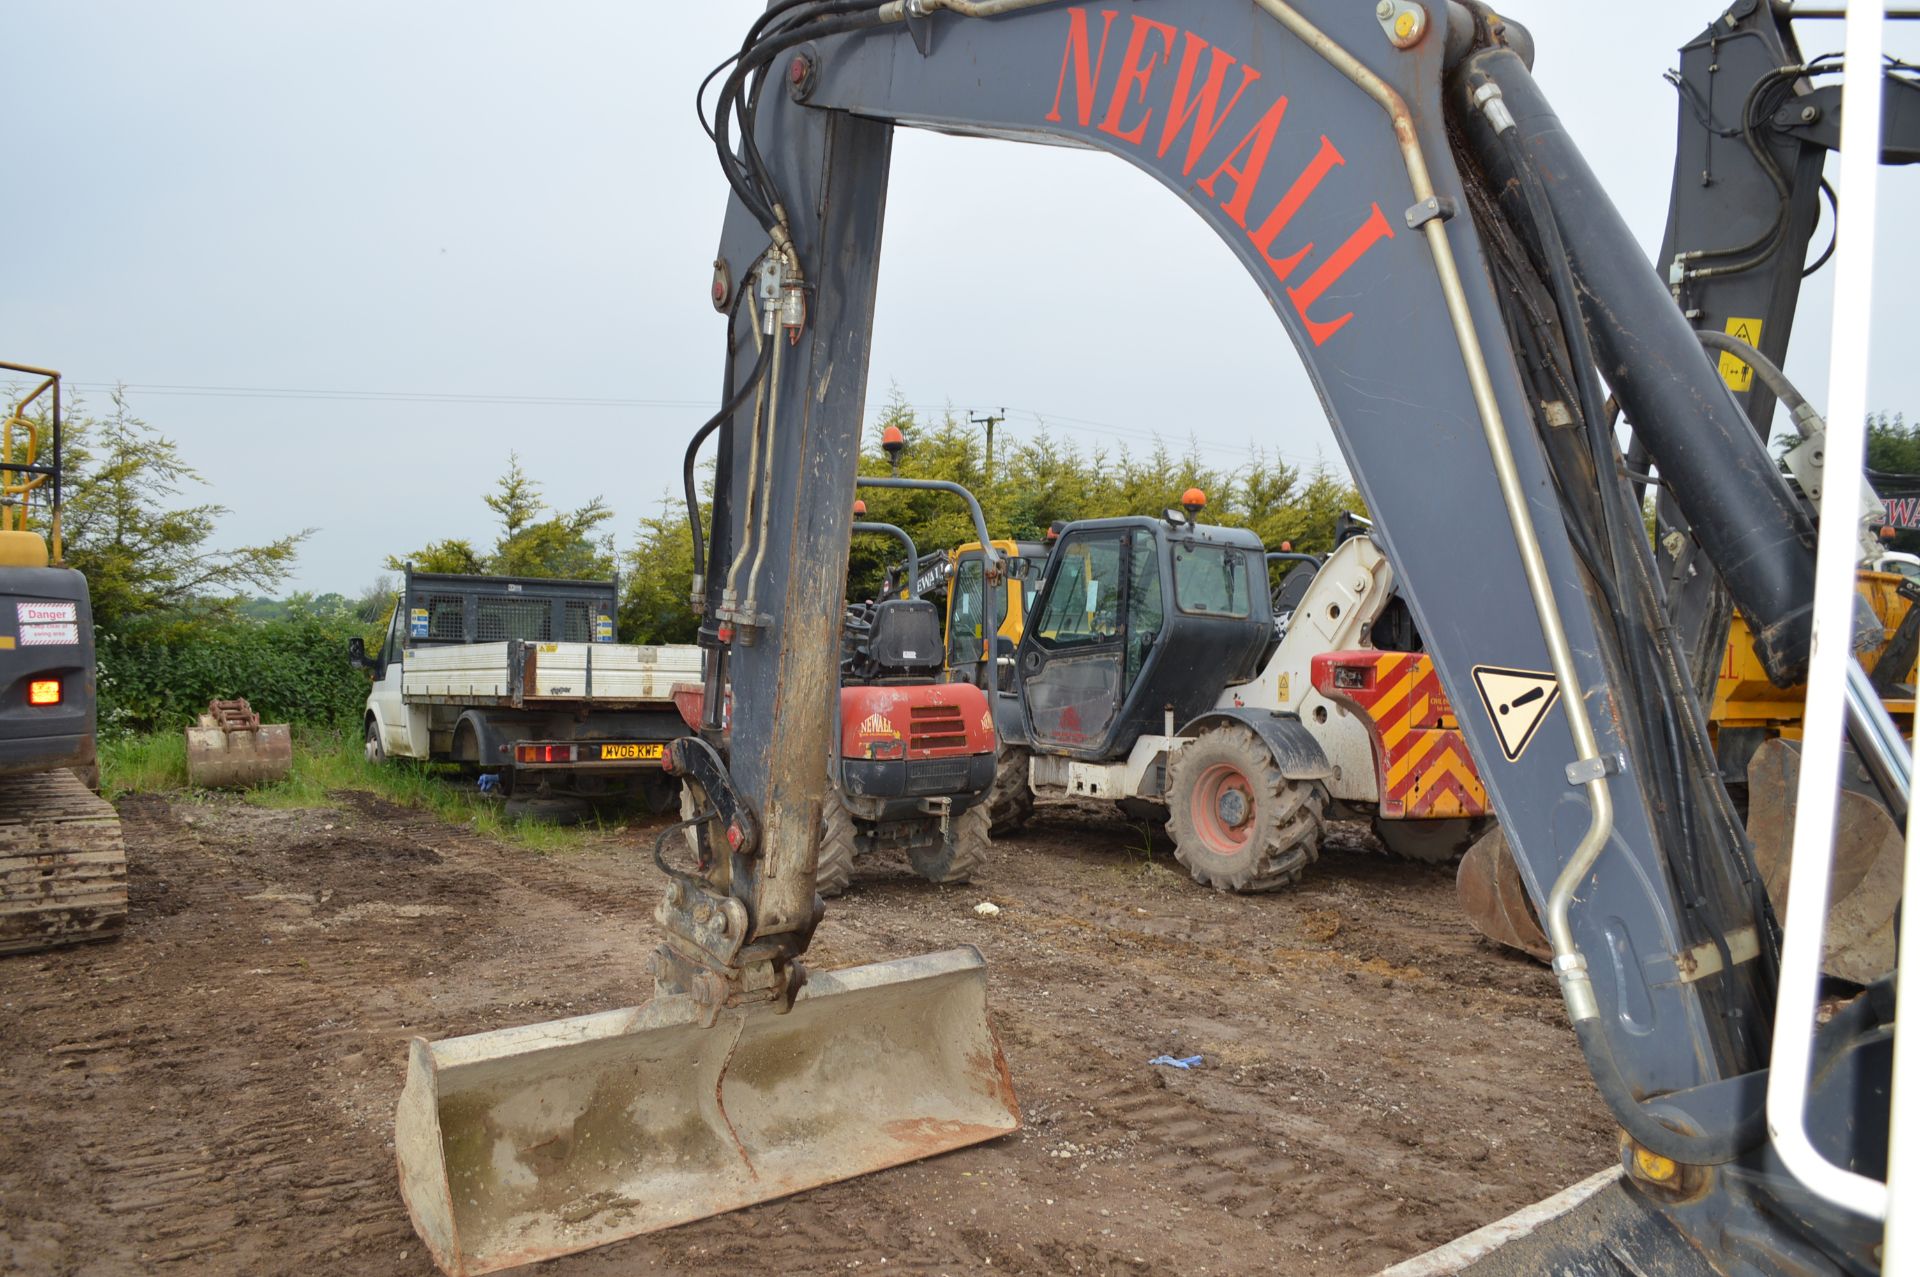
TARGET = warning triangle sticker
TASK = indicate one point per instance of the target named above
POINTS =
(1517, 701)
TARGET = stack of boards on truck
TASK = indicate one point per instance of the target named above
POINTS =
(523, 679)
(63, 869)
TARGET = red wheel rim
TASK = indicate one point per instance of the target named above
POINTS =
(1222, 809)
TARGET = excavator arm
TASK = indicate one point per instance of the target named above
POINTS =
(1451, 274)
(1453, 278)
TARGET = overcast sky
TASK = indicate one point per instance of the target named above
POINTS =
(419, 236)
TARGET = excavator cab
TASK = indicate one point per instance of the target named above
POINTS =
(1020, 586)
(1138, 619)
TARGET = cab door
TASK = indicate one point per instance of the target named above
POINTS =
(1078, 656)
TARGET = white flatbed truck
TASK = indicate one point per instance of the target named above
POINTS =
(522, 677)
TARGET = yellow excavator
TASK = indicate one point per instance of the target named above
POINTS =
(63, 867)
(1395, 181)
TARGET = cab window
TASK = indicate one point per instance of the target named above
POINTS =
(1145, 613)
(1211, 580)
(963, 620)
(1083, 605)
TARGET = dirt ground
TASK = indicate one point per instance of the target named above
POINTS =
(214, 1093)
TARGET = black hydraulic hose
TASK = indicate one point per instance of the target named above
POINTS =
(731, 406)
(1749, 1129)
(1709, 1148)
(751, 180)
(1638, 639)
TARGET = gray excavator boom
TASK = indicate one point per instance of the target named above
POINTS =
(1428, 291)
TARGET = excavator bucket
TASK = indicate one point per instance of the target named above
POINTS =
(1869, 861)
(1494, 898)
(229, 748)
(523, 1144)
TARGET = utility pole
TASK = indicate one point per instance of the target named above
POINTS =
(989, 421)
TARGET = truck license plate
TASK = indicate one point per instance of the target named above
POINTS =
(620, 753)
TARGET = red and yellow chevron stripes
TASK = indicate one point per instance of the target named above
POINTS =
(1420, 758)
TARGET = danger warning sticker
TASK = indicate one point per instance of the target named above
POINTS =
(48, 635)
(45, 613)
(1735, 371)
(1517, 701)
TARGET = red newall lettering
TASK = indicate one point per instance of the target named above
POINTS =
(1256, 144)
(1133, 77)
(1204, 112)
(1085, 77)
(1322, 163)
(1373, 230)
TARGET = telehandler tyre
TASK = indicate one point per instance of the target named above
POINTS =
(1237, 823)
(835, 870)
(1431, 842)
(961, 854)
(1010, 805)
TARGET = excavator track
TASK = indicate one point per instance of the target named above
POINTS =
(63, 866)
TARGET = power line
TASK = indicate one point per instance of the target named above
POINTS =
(389, 396)
(1066, 422)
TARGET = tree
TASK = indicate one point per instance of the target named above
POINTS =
(654, 607)
(450, 555)
(143, 558)
(565, 544)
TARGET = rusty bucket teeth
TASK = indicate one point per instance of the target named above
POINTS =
(524, 1144)
(1494, 897)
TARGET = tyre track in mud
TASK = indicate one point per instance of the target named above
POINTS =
(214, 1093)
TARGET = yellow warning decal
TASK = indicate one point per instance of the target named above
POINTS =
(1517, 701)
(1734, 371)
(1286, 688)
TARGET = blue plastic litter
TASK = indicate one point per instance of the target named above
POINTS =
(489, 782)
(1191, 1061)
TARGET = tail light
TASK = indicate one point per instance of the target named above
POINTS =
(43, 691)
(544, 754)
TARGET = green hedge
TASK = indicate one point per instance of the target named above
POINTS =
(294, 670)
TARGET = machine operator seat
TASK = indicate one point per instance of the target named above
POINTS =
(905, 639)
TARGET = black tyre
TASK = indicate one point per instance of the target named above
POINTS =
(962, 854)
(376, 752)
(1010, 805)
(560, 810)
(835, 868)
(1431, 842)
(1237, 823)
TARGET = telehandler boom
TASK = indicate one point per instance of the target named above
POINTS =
(1455, 280)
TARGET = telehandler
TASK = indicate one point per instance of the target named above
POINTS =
(1396, 183)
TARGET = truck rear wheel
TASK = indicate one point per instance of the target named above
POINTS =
(1010, 803)
(1237, 823)
(960, 855)
(834, 870)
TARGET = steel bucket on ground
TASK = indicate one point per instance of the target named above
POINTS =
(527, 1143)
(230, 748)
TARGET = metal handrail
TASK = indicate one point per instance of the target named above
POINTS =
(993, 559)
(1789, 1077)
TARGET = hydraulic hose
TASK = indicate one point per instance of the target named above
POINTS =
(1749, 1129)
(1709, 1148)
(1806, 419)
(727, 409)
